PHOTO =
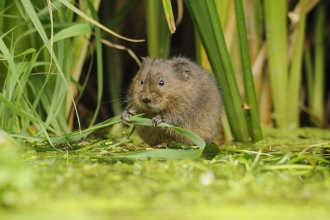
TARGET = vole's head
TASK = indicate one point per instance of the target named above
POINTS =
(160, 84)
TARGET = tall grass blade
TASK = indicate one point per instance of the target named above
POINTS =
(79, 51)
(169, 15)
(63, 84)
(249, 90)
(207, 22)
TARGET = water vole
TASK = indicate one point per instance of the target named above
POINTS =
(178, 92)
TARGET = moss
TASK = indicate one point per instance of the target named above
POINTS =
(269, 179)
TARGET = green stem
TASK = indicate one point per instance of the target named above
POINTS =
(276, 34)
(222, 9)
(99, 62)
(2, 8)
(309, 74)
(318, 99)
(295, 69)
(158, 35)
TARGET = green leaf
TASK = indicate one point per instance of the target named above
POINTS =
(191, 136)
(161, 154)
(72, 31)
(169, 15)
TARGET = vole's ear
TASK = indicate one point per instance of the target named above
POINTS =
(182, 68)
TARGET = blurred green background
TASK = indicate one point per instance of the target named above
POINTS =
(60, 61)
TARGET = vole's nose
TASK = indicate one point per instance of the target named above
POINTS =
(146, 100)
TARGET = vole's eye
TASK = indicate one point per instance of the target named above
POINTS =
(161, 83)
(142, 81)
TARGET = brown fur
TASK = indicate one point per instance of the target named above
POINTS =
(189, 98)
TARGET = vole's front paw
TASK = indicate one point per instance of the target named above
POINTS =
(156, 120)
(125, 116)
